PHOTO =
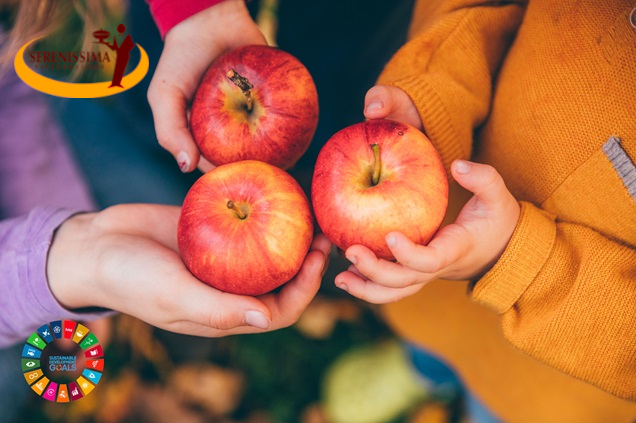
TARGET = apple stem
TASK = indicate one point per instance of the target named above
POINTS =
(376, 164)
(243, 84)
(236, 209)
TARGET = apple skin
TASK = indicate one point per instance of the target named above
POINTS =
(248, 256)
(283, 119)
(411, 196)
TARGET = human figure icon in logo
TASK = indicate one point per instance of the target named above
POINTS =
(123, 55)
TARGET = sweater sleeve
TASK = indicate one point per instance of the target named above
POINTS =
(546, 273)
(447, 67)
(168, 13)
(27, 301)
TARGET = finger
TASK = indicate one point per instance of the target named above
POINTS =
(219, 310)
(370, 291)
(322, 244)
(291, 301)
(482, 180)
(287, 306)
(384, 101)
(168, 104)
(380, 271)
(205, 165)
(450, 244)
(153, 221)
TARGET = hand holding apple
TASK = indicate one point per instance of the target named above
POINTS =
(377, 177)
(255, 103)
(462, 250)
(388, 102)
(125, 258)
(189, 49)
(245, 228)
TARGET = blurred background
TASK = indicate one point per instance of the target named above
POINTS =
(317, 371)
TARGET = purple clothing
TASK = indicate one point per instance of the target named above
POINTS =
(40, 187)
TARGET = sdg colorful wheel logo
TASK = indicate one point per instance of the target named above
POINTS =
(62, 361)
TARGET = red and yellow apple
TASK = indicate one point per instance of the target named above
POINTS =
(376, 177)
(245, 228)
(255, 103)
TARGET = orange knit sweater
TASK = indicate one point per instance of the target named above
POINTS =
(545, 91)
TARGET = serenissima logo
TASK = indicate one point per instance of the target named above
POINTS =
(85, 60)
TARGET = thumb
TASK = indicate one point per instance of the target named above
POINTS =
(480, 179)
(168, 104)
(220, 310)
(387, 102)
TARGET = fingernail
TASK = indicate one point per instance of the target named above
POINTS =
(353, 259)
(342, 286)
(375, 105)
(462, 166)
(391, 241)
(184, 161)
(257, 319)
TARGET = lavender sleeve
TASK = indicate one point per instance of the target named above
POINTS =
(26, 301)
(40, 187)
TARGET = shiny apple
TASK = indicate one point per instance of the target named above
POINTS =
(255, 103)
(376, 177)
(245, 228)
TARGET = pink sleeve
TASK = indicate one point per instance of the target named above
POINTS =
(168, 13)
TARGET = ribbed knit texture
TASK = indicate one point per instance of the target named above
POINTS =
(545, 94)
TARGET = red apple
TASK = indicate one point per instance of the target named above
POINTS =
(255, 103)
(375, 177)
(245, 228)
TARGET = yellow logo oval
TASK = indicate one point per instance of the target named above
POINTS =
(78, 90)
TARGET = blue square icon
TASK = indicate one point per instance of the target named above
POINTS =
(45, 333)
(92, 376)
(56, 328)
(30, 351)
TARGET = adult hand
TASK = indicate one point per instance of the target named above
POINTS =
(126, 258)
(190, 47)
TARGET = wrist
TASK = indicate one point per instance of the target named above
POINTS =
(217, 14)
(70, 263)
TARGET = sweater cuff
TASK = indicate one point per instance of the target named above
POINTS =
(29, 302)
(169, 13)
(525, 255)
(435, 118)
(40, 239)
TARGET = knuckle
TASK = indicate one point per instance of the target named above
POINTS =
(165, 305)
(376, 299)
(109, 218)
(410, 281)
(153, 94)
(491, 176)
(219, 320)
(436, 264)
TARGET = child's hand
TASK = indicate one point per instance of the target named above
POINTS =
(190, 47)
(463, 250)
(387, 102)
(126, 259)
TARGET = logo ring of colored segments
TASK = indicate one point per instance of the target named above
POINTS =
(46, 336)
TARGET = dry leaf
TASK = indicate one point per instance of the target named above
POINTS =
(320, 318)
(158, 405)
(314, 414)
(117, 397)
(214, 389)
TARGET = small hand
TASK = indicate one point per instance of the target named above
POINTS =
(126, 259)
(190, 47)
(388, 102)
(462, 250)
